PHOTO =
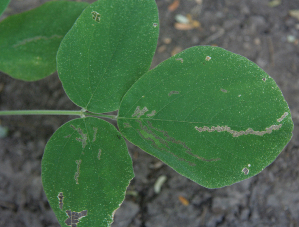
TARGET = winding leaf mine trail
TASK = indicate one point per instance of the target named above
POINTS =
(241, 133)
(238, 133)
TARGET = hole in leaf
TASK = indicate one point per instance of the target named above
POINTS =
(245, 171)
(74, 217)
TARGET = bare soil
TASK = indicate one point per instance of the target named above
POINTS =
(266, 35)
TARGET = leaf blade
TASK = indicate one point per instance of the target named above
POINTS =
(213, 116)
(86, 168)
(29, 41)
(3, 6)
(110, 46)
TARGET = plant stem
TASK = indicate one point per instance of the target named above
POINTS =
(55, 112)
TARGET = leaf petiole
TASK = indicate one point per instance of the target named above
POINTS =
(56, 112)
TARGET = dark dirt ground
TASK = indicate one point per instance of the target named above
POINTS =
(266, 35)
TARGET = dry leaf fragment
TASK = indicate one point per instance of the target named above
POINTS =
(176, 50)
(167, 40)
(184, 201)
(173, 6)
(161, 49)
(182, 19)
(195, 23)
(158, 184)
(294, 13)
(274, 3)
(184, 27)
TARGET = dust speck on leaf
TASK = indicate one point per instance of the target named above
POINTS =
(245, 171)
(60, 198)
(155, 24)
(74, 217)
(223, 90)
(173, 93)
(180, 59)
(68, 136)
(96, 16)
(208, 58)
(264, 79)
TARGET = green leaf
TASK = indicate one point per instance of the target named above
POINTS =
(86, 169)
(212, 115)
(3, 5)
(29, 41)
(110, 46)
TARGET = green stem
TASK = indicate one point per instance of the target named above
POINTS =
(55, 112)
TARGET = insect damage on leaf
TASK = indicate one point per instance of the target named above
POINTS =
(99, 154)
(208, 58)
(96, 16)
(151, 114)
(83, 138)
(95, 130)
(180, 59)
(150, 133)
(238, 133)
(74, 217)
(223, 90)
(60, 198)
(36, 39)
(283, 117)
(173, 93)
(138, 113)
(155, 25)
(76, 177)
(127, 125)
(245, 171)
